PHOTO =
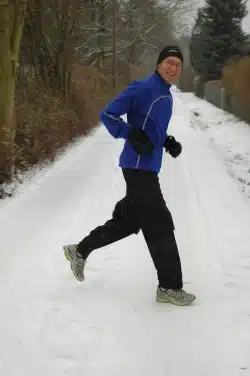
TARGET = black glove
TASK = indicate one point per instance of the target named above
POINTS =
(172, 146)
(140, 141)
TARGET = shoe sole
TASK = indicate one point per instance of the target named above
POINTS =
(67, 256)
(66, 253)
(163, 300)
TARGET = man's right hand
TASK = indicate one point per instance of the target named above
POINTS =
(140, 141)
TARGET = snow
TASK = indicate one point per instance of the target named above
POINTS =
(110, 324)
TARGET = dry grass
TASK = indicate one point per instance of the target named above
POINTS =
(45, 123)
(236, 80)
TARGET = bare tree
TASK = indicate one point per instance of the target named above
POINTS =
(49, 35)
(117, 37)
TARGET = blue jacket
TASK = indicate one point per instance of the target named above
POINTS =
(148, 104)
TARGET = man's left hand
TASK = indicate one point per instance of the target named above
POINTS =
(173, 147)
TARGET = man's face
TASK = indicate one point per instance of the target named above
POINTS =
(170, 69)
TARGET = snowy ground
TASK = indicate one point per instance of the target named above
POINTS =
(111, 325)
(230, 138)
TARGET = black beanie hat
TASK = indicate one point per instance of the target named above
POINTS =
(169, 51)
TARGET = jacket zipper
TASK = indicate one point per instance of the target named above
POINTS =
(145, 121)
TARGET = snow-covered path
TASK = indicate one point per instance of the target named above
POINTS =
(111, 324)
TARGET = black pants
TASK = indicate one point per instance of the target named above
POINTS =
(143, 208)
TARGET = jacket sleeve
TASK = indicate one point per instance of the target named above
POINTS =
(111, 116)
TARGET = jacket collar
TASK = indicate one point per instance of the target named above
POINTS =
(164, 86)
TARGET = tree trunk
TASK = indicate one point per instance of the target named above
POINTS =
(101, 39)
(114, 63)
(11, 24)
